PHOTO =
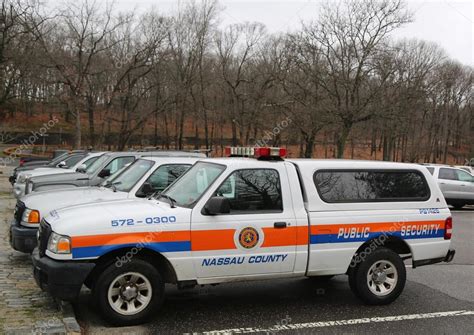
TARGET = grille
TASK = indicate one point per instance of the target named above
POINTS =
(19, 209)
(44, 233)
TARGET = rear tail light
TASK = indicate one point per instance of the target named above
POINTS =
(448, 228)
(22, 161)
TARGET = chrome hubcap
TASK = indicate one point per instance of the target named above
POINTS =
(382, 278)
(129, 293)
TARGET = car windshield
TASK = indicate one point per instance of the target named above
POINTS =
(126, 180)
(58, 159)
(187, 190)
(97, 164)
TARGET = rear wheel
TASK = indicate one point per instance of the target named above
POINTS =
(380, 278)
(128, 295)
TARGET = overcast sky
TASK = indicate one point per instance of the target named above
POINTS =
(450, 23)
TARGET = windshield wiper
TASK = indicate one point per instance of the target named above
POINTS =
(171, 200)
(113, 186)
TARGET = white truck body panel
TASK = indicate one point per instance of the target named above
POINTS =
(319, 238)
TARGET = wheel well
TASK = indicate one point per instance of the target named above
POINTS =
(394, 243)
(125, 255)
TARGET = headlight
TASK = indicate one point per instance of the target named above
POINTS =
(59, 244)
(23, 178)
(31, 216)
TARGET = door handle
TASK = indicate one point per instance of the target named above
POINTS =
(279, 225)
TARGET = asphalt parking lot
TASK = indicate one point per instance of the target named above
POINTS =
(438, 299)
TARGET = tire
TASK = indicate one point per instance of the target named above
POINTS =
(137, 284)
(352, 280)
(380, 278)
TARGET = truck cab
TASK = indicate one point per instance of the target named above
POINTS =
(239, 219)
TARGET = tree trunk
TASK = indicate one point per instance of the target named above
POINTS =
(78, 137)
(342, 139)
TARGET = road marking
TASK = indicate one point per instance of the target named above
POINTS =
(322, 324)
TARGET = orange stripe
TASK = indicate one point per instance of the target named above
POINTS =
(202, 240)
(284, 237)
(374, 226)
(124, 238)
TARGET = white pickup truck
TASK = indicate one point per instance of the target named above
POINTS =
(141, 179)
(236, 219)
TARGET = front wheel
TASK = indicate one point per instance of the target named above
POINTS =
(380, 278)
(129, 294)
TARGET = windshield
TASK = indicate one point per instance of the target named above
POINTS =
(97, 164)
(189, 188)
(58, 159)
(126, 180)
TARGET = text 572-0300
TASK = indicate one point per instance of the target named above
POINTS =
(148, 221)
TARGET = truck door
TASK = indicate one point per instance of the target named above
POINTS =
(257, 237)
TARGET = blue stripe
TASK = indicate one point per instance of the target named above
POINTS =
(333, 238)
(97, 251)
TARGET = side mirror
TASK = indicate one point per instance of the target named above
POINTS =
(145, 191)
(81, 168)
(216, 205)
(104, 173)
(62, 164)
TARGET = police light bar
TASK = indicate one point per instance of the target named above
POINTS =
(256, 152)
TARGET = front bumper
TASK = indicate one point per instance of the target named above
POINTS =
(22, 238)
(61, 279)
(448, 258)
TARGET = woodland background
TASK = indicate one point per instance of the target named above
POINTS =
(340, 86)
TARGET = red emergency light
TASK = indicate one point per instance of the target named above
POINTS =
(263, 153)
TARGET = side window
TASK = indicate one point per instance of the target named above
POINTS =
(449, 174)
(463, 176)
(371, 186)
(162, 177)
(118, 163)
(89, 162)
(252, 190)
(431, 170)
(73, 160)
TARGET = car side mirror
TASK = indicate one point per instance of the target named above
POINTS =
(81, 168)
(216, 205)
(62, 164)
(145, 191)
(104, 173)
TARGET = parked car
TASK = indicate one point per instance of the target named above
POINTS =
(30, 161)
(141, 179)
(234, 219)
(55, 162)
(467, 168)
(457, 185)
(96, 173)
(73, 163)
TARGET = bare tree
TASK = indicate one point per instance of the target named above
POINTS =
(350, 37)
